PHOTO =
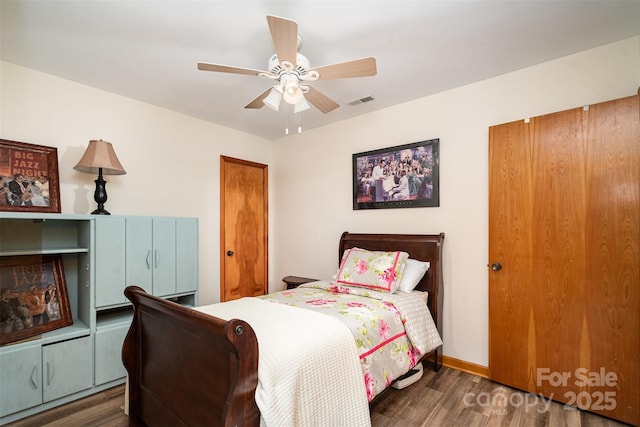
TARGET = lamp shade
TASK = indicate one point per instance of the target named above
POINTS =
(100, 155)
(301, 106)
(273, 99)
(292, 92)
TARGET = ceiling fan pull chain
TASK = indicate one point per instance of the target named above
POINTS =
(286, 129)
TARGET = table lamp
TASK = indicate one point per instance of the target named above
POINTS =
(100, 158)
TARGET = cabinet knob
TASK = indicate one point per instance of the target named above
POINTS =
(496, 266)
(230, 253)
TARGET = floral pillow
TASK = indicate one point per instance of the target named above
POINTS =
(378, 271)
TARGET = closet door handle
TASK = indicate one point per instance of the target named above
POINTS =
(149, 259)
(496, 266)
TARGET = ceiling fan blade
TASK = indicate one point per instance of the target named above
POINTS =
(284, 33)
(257, 103)
(357, 68)
(320, 101)
(228, 69)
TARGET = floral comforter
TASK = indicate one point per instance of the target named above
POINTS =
(392, 331)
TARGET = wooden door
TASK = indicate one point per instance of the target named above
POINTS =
(564, 248)
(611, 324)
(243, 228)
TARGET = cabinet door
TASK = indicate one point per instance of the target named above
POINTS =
(187, 255)
(164, 256)
(67, 368)
(109, 365)
(139, 253)
(110, 261)
(20, 380)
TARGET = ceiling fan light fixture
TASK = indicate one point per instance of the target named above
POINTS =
(273, 99)
(301, 106)
(292, 93)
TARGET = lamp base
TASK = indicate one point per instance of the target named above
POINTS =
(100, 195)
(100, 211)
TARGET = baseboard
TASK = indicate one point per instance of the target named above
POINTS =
(461, 365)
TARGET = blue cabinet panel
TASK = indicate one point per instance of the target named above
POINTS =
(110, 261)
(164, 256)
(187, 255)
(67, 368)
(108, 351)
(20, 380)
(139, 259)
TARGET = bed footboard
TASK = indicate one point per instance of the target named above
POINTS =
(187, 368)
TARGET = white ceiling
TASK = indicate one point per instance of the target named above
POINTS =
(148, 49)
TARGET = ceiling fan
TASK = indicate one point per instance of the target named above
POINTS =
(290, 71)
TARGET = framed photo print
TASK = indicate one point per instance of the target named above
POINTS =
(28, 177)
(405, 176)
(33, 297)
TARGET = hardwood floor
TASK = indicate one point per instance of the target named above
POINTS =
(105, 409)
(446, 398)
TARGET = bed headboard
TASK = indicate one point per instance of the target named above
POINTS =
(422, 247)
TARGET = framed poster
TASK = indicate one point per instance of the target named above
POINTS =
(28, 177)
(33, 296)
(405, 176)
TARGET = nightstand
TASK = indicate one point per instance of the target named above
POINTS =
(295, 281)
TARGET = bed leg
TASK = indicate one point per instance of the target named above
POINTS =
(437, 362)
(126, 397)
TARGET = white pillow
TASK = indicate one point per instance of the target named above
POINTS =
(413, 272)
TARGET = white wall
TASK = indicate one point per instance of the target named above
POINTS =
(313, 175)
(172, 164)
(172, 160)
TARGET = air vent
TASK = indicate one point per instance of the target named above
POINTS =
(360, 101)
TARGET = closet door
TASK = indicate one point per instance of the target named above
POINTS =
(564, 201)
(611, 331)
(511, 323)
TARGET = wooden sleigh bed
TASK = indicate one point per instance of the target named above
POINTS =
(187, 368)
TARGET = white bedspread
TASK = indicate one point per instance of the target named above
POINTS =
(309, 372)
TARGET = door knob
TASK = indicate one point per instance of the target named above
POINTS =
(230, 253)
(496, 266)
